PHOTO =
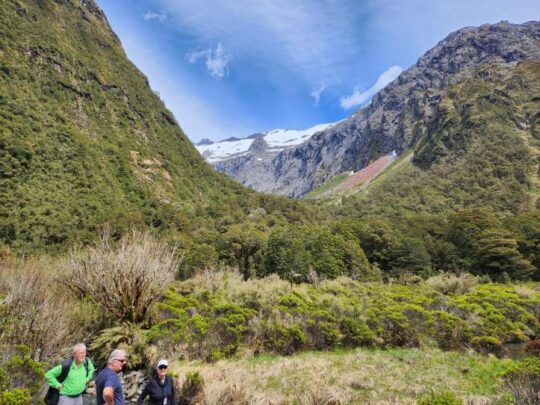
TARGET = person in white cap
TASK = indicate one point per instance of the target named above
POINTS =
(160, 389)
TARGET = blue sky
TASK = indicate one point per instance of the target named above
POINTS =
(236, 67)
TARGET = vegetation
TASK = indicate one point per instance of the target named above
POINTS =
(84, 141)
(359, 376)
(481, 150)
(20, 376)
(211, 320)
(523, 381)
(122, 281)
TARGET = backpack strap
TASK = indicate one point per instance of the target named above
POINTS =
(65, 370)
(86, 366)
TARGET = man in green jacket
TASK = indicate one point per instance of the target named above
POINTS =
(80, 372)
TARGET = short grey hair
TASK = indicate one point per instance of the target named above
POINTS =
(115, 354)
(78, 347)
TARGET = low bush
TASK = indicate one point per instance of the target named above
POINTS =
(523, 382)
(449, 283)
(128, 337)
(533, 347)
(282, 339)
(20, 376)
(124, 280)
(487, 345)
(214, 319)
(32, 299)
(192, 390)
(18, 396)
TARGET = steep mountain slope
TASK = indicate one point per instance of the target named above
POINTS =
(84, 140)
(401, 114)
(482, 149)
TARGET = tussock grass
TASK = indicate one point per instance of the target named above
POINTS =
(358, 376)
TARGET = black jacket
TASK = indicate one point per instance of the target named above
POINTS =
(157, 392)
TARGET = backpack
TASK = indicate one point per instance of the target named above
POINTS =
(53, 395)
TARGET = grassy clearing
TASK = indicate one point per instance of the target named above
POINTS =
(360, 376)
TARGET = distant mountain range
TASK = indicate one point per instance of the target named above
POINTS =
(403, 116)
(269, 143)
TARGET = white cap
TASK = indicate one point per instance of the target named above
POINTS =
(163, 362)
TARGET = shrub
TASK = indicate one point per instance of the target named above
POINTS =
(18, 396)
(128, 337)
(487, 344)
(20, 376)
(533, 347)
(449, 331)
(356, 333)
(32, 300)
(449, 283)
(440, 398)
(208, 326)
(283, 339)
(192, 391)
(126, 280)
(523, 382)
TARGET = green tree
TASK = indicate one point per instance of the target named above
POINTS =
(286, 255)
(241, 245)
(498, 254)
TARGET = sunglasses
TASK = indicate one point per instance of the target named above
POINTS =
(123, 361)
(162, 367)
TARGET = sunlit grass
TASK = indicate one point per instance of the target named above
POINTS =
(397, 376)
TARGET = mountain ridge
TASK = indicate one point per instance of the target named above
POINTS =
(398, 115)
(85, 141)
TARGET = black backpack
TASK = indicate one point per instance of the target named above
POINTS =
(53, 395)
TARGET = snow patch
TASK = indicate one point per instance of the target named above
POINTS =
(277, 140)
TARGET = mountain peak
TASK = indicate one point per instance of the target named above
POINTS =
(399, 115)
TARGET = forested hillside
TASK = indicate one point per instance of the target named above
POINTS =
(84, 140)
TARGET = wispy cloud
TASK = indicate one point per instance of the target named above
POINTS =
(161, 17)
(361, 97)
(217, 60)
(292, 35)
(316, 94)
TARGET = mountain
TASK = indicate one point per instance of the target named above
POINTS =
(276, 141)
(400, 117)
(249, 160)
(85, 141)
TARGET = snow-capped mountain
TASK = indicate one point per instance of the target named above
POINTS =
(276, 141)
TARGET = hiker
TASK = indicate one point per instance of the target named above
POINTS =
(108, 386)
(160, 389)
(68, 380)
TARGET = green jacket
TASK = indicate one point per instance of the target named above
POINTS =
(76, 380)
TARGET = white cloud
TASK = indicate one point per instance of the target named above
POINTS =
(358, 98)
(161, 17)
(315, 43)
(217, 61)
(316, 94)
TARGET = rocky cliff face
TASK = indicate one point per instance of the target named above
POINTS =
(397, 117)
